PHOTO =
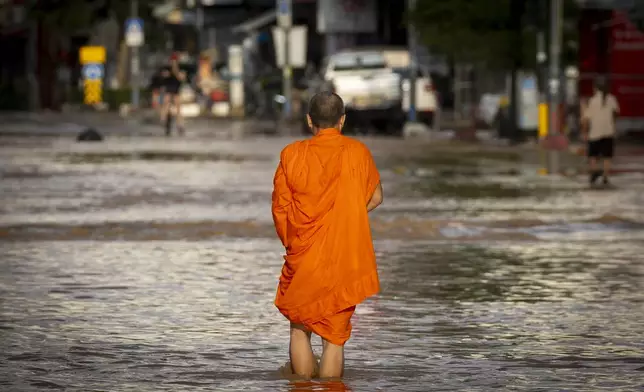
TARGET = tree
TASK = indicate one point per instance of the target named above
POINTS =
(70, 17)
(500, 34)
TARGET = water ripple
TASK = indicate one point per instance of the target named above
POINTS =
(151, 316)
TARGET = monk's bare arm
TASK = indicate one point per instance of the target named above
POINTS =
(376, 198)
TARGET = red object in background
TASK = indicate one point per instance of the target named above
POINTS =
(627, 58)
(558, 141)
(611, 45)
(63, 57)
(219, 96)
(555, 142)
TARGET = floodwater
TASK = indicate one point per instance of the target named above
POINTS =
(157, 273)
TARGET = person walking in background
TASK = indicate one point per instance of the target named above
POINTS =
(599, 124)
(174, 78)
(323, 189)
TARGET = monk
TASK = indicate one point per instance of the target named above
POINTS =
(323, 189)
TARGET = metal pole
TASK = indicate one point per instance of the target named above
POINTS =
(287, 71)
(413, 66)
(134, 11)
(32, 62)
(556, 15)
(542, 57)
(200, 23)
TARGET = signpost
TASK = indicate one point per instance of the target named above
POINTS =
(413, 64)
(236, 68)
(284, 21)
(297, 46)
(556, 16)
(134, 38)
(92, 58)
(528, 101)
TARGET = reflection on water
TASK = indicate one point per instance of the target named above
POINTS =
(330, 386)
(151, 275)
(187, 316)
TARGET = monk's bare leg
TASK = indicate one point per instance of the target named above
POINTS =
(332, 362)
(303, 361)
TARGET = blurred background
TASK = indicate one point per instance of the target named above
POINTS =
(470, 61)
(132, 261)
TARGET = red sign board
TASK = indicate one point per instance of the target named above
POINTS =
(613, 46)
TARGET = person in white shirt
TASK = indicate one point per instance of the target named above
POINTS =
(599, 123)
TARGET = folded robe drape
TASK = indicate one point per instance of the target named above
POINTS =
(321, 190)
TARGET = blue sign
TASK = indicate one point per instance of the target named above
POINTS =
(283, 7)
(134, 32)
(529, 83)
(133, 25)
(93, 71)
(263, 37)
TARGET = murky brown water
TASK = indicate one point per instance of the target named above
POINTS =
(153, 275)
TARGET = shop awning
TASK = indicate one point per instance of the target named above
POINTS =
(256, 23)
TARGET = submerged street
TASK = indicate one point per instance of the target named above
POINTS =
(149, 264)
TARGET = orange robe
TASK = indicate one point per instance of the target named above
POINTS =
(321, 190)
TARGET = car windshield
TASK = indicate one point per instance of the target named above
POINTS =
(351, 61)
(405, 72)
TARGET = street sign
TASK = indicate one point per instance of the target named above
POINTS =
(92, 54)
(284, 13)
(93, 71)
(297, 46)
(93, 91)
(528, 101)
(134, 32)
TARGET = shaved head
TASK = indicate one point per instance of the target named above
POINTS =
(326, 109)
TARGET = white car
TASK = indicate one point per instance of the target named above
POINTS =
(399, 59)
(426, 101)
(369, 88)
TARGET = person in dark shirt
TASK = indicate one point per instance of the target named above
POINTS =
(156, 87)
(173, 79)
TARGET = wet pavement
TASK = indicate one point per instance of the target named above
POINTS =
(149, 264)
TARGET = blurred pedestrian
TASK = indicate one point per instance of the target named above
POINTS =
(156, 87)
(598, 120)
(174, 78)
(323, 189)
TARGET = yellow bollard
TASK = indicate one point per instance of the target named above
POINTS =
(543, 133)
(543, 120)
(92, 55)
(93, 59)
(93, 91)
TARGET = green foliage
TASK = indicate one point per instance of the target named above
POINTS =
(468, 30)
(66, 16)
(499, 32)
(11, 99)
(74, 16)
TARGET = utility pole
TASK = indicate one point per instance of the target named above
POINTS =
(285, 21)
(556, 19)
(413, 65)
(32, 61)
(200, 23)
(134, 13)
(542, 57)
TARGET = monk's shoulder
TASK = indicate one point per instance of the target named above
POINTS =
(357, 147)
(291, 150)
